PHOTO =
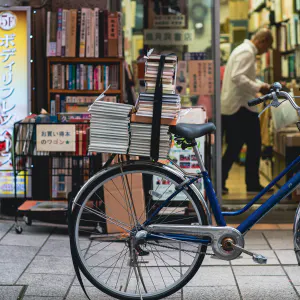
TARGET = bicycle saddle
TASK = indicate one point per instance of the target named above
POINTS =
(192, 131)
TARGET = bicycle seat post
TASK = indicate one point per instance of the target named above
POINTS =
(198, 156)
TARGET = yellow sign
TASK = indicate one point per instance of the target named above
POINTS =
(15, 75)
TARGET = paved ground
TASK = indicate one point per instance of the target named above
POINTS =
(37, 266)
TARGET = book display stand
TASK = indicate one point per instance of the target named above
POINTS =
(50, 178)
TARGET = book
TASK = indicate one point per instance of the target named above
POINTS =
(64, 32)
(51, 33)
(112, 21)
(97, 28)
(59, 32)
(73, 33)
(83, 32)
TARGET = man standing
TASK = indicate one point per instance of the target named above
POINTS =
(239, 86)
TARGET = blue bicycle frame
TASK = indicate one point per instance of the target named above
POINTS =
(246, 225)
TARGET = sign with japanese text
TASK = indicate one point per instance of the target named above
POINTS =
(56, 138)
(14, 76)
(201, 77)
(168, 36)
(169, 21)
(187, 160)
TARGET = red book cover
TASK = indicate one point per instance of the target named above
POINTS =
(77, 143)
(84, 143)
(96, 84)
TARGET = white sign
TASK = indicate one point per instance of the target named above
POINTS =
(168, 36)
(187, 161)
(175, 21)
(8, 20)
(56, 138)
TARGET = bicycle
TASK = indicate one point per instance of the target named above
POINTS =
(156, 245)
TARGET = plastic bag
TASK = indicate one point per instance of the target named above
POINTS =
(284, 115)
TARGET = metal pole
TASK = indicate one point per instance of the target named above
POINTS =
(217, 107)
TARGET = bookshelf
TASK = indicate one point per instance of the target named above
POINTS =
(87, 61)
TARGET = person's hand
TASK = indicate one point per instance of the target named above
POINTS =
(265, 89)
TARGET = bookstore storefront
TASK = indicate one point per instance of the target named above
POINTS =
(77, 52)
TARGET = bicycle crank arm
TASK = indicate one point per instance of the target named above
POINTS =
(258, 258)
(218, 236)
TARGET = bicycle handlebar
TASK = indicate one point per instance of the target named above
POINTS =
(274, 97)
(257, 101)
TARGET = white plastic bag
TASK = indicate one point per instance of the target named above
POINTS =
(284, 115)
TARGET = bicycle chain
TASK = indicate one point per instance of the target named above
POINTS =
(174, 248)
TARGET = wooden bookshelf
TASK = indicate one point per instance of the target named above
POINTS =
(81, 92)
(84, 60)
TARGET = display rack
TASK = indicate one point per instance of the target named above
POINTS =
(46, 181)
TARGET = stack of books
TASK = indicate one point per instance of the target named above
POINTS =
(170, 105)
(84, 33)
(109, 127)
(140, 140)
(168, 74)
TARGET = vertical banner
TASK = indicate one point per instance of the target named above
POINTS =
(15, 82)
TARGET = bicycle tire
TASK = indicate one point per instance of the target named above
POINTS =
(95, 181)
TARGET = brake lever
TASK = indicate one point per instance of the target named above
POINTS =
(274, 103)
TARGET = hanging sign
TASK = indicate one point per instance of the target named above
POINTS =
(15, 92)
(14, 75)
(56, 138)
(169, 21)
(168, 36)
(201, 77)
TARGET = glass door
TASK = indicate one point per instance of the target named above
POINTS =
(190, 29)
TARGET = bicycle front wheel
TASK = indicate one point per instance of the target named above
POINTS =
(119, 201)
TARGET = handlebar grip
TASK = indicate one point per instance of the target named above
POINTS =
(255, 101)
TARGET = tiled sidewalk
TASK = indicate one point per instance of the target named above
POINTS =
(36, 265)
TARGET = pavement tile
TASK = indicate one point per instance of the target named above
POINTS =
(43, 285)
(282, 239)
(56, 248)
(10, 292)
(247, 260)
(51, 265)
(213, 276)
(287, 257)
(39, 298)
(210, 261)
(209, 293)
(4, 228)
(258, 270)
(254, 238)
(294, 274)
(266, 288)
(10, 272)
(17, 254)
(76, 293)
(24, 239)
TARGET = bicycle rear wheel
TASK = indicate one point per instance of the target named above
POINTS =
(127, 194)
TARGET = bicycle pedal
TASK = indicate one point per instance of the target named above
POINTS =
(260, 259)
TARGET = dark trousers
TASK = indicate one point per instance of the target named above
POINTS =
(243, 127)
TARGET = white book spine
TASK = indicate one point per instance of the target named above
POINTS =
(96, 12)
(48, 32)
(64, 33)
(83, 33)
(92, 48)
(88, 33)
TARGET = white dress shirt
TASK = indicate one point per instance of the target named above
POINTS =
(239, 83)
